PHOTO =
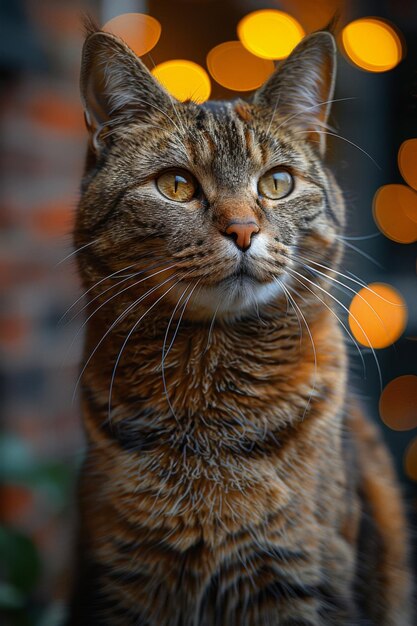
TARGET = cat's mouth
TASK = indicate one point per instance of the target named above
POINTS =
(247, 273)
(241, 274)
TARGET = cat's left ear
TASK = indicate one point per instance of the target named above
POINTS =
(116, 86)
(302, 86)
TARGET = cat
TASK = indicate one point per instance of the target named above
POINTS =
(230, 477)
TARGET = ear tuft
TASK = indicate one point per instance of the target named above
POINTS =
(333, 24)
(302, 86)
(90, 25)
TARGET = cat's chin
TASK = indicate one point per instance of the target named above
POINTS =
(234, 297)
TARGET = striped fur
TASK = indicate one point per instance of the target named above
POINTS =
(230, 479)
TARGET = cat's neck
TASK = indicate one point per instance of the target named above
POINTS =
(238, 381)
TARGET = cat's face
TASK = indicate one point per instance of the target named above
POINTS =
(222, 200)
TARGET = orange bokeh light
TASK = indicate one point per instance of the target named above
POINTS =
(410, 460)
(393, 207)
(234, 67)
(372, 44)
(141, 32)
(377, 315)
(407, 162)
(269, 34)
(185, 80)
(398, 403)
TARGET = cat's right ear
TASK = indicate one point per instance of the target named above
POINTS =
(115, 86)
(301, 88)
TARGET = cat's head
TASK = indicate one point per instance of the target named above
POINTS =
(226, 201)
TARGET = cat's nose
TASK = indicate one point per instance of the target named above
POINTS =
(241, 232)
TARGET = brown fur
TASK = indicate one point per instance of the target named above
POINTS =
(229, 480)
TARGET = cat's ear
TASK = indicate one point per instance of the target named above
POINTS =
(302, 86)
(115, 85)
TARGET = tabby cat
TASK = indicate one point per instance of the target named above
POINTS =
(230, 479)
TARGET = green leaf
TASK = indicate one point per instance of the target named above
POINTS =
(10, 597)
(20, 559)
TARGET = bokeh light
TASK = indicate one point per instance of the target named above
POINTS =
(141, 32)
(185, 80)
(377, 315)
(234, 67)
(270, 34)
(398, 403)
(410, 460)
(407, 162)
(372, 44)
(393, 209)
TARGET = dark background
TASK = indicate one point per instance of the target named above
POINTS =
(41, 154)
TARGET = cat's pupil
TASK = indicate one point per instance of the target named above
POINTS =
(177, 181)
(175, 186)
(279, 179)
(275, 184)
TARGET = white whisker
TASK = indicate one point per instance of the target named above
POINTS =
(165, 354)
(352, 143)
(343, 325)
(358, 294)
(273, 114)
(312, 344)
(208, 344)
(292, 270)
(86, 245)
(311, 108)
(115, 285)
(130, 333)
(360, 238)
(364, 254)
(124, 269)
(120, 317)
(104, 303)
(289, 303)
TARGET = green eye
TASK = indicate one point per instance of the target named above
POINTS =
(177, 185)
(276, 184)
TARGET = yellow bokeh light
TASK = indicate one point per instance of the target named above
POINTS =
(269, 34)
(372, 44)
(392, 207)
(398, 403)
(185, 80)
(410, 460)
(407, 162)
(234, 67)
(141, 32)
(377, 315)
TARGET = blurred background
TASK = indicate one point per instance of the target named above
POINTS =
(218, 49)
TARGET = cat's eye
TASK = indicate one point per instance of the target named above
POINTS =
(177, 185)
(276, 184)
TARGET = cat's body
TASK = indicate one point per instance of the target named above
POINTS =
(229, 479)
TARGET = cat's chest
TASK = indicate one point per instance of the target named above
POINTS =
(217, 426)
(217, 375)
(205, 490)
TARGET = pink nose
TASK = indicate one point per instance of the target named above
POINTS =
(241, 233)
